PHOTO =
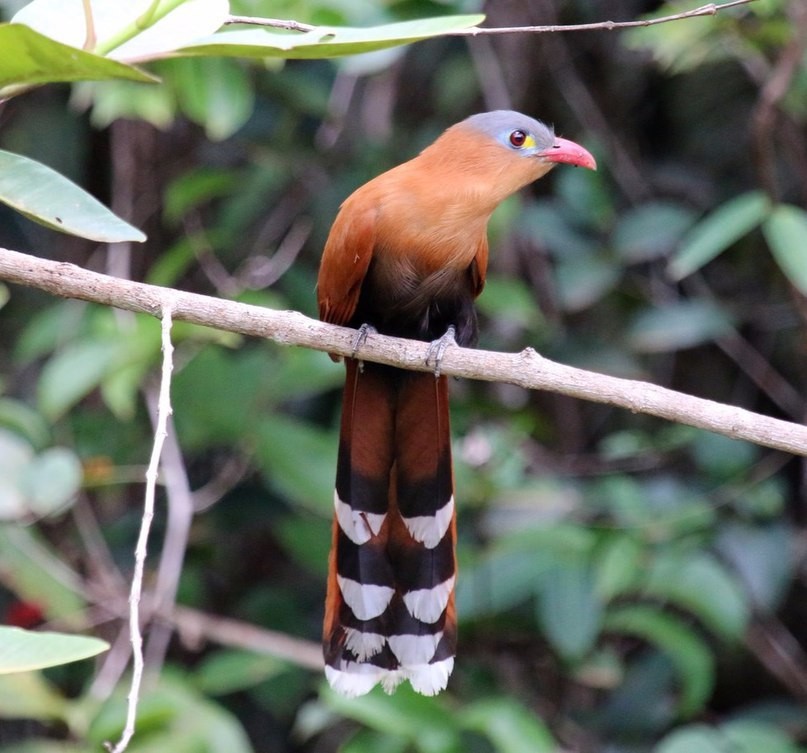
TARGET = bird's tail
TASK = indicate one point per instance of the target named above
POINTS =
(389, 613)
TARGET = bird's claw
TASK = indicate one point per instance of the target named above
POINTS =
(362, 334)
(438, 347)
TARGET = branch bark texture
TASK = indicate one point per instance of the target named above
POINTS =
(526, 369)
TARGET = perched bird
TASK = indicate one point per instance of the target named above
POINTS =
(407, 256)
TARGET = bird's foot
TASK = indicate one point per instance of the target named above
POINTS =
(362, 333)
(438, 347)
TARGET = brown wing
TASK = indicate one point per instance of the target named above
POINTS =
(479, 266)
(345, 260)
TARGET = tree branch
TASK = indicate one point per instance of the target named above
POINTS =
(526, 369)
(710, 9)
(163, 410)
(194, 626)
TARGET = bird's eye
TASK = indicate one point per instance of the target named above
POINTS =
(518, 138)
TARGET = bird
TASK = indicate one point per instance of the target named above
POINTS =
(407, 256)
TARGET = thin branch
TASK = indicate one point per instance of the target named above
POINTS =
(232, 471)
(180, 506)
(89, 25)
(160, 433)
(194, 625)
(777, 649)
(773, 89)
(709, 9)
(526, 369)
(274, 23)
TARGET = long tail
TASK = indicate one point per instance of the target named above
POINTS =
(389, 613)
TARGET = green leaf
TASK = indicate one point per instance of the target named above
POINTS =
(15, 455)
(583, 280)
(28, 695)
(195, 188)
(113, 100)
(424, 721)
(510, 299)
(31, 59)
(121, 30)
(676, 48)
(569, 608)
(326, 41)
(302, 372)
(23, 420)
(695, 738)
(718, 231)
(46, 197)
(216, 93)
(24, 650)
(48, 328)
(306, 539)
(738, 736)
(299, 459)
(72, 373)
(786, 231)
(370, 741)
(31, 569)
(722, 457)
(676, 326)
(173, 716)
(701, 585)
(228, 671)
(51, 481)
(687, 651)
(749, 736)
(618, 566)
(514, 574)
(509, 726)
(755, 553)
(651, 230)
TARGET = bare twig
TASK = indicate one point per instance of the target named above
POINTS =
(180, 507)
(710, 9)
(275, 23)
(136, 638)
(526, 369)
(89, 37)
(777, 649)
(775, 87)
(194, 625)
(227, 477)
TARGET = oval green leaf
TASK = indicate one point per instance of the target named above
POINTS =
(326, 41)
(46, 197)
(718, 231)
(651, 230)
(786, 233)
(699, 584)
(695, 738)
(51, 481)
(508, 725)
(72, 373)
(33, 572)
(126, 30)
(25, 650)
(683, 324)
(31, 59)
(569, 609)
(686, 650)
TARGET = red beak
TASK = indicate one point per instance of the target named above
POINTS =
(568, 153)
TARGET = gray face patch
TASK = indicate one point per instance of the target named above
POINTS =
(499, 124)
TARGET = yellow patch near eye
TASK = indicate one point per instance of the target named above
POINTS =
(529, 142)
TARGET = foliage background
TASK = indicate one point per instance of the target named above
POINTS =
(627, 585)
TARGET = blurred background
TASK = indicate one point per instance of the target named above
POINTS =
(626, 584)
